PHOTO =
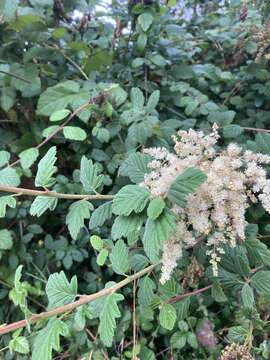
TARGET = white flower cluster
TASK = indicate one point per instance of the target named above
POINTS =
(216, 211)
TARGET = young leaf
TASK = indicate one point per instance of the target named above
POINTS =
(46, 169)
(155, 208)
(28, 157)
(5, 201)
(89, 175)
(9, 176)
(100, 215)
(130, 198)
(185, 184)
(119, 258)
(60, 291)
(41, 204)
(5, 240)
(167, 316)
(19, 344)
(74, 133)
(124, 226)
(78, 212)
(48, 339)
(59, 115)
(110, 312)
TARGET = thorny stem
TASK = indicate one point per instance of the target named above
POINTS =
(30, 192)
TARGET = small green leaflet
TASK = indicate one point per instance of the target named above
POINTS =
(145, 20)
(137, 98)
(19, 293)
(4, 157)
(102, 257)
(19, 344)
(49, 130)
(96, 242)
(41, 204)
(261, 282)
(59, 115)
(5, 240)
(9, 176)
(155, 208)
(119, 258)
(78, 212)
(48, 339)
(74, 133)
(167, 316)
(109, 313)
(28, 157)
(185, 184)
(100, 215)
(4, 202)
(89, 175)
(156, 232)
(135, 167)
(46, 169)
(60, 291)
(124, 226)
(130, 198)
(153, 100)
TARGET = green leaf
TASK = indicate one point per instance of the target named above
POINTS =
(135, 167)
(178, 340)
(182, 308)
(6, 242)
(185, 184)
(78, 212)
(19, 344)
(145, 20)
(146, 291)
(110, 312)
(48, 339)
(60, 291)
(46, 169)
(4, 202)
(261, 282)
(155, 208)
(119, 258)
(232, 131)
(74, 133)
(263, 142)
(100, 215)
(158, 60)
(9, 176)
(167, 316)
(141, 43)
(170, 289)
(247, 296)
(89, 175)
(59, 115)
(4, 157)
(138, 261)
(124, 226)
(217, 292)
(102, 257)
(42, 204)
(238, 334)
(137, 98)
(258, 249)
(96, 242)
(130, 198)
(137, 62)
(153, 100)
(49, 130)
(28, 157)
(156, 232)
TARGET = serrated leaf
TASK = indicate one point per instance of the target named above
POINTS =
(185, 184)
(19, 344)
(9, 176)
(170, 289)
(153, 100)
(261, 282)
(78, 212)
(156, 232)
(259, 250)
(138, 262)
(89, 175)
(137, 98)
(263, 142)
(74, 133)
(238, 334)
(4, 157)
(145, 20)
(123, 226)
(167, 316)
(110, 312)
(4, 202)
(6, 241)
(41, 204)
(60, 291)
(59, 115)
(28, 157)
(130, 198)
(102, 257)
(247, 296)
(48, 339)
(135, 167)
(232, 131)
(146, 291)
(46, 169)
(119, 258)
(217, 292)
(155, 208)
(100, 215)
(182, 308)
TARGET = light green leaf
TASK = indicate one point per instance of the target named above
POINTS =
(49, 130)
(135, 167)
(141, 43)
(178, 340)
(100, 215)
(124, 226)
(247, 295)
(6, 242)
(48, 339)
(41, 204)
(261, 282)
(102, 257)
(19, 344)
(119, 258)
(145, 20)
(156, 232)
(159, 60)
(137, 98)
(28, 157)
(78, 212)
(89, 175)
(9, 176)
(155, 208)
(153, 100)
(4, 202)
(130, 198)
(96, 242)
(167, 316)
(110, 312)
(60, 291)
(74, 133)
(182, 308)
(46, 169)
(59, 115)
(4, 157)
(185, 184)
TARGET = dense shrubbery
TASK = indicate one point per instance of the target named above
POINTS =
(88, 208)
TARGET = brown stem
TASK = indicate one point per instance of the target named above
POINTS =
(256, 129)
(6, 328)
(15, 76)
(30, 192)
(183, 296)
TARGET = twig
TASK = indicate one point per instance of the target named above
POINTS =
(134, 327)
(256, 129)
(15, 76)
(47, 193)
(183, 296)
(85, 299)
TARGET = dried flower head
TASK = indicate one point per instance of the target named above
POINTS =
(236, 352)
(216, 211)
